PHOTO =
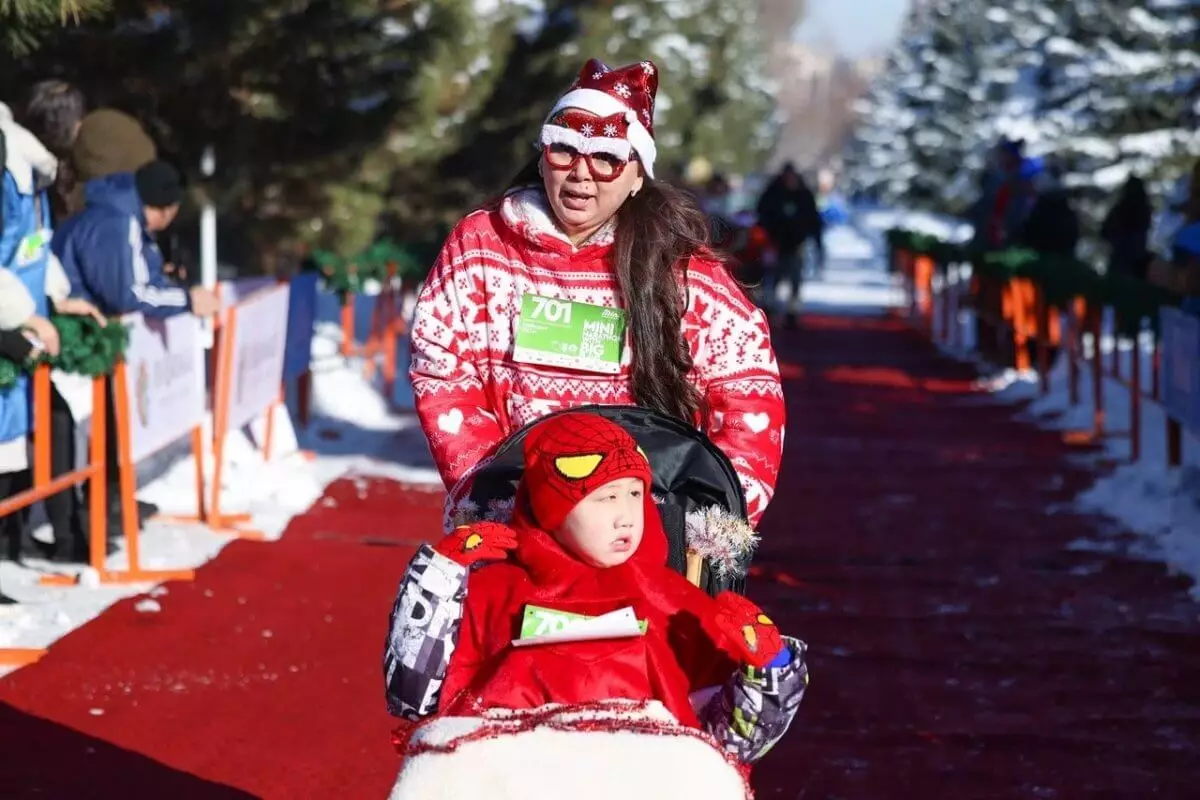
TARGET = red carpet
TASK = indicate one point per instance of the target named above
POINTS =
(960, 647)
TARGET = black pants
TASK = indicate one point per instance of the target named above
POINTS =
(63, 509)
(11, 524)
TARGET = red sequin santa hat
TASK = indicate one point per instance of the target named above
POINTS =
(622, 98)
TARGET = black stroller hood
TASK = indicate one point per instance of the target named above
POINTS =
(690, 474)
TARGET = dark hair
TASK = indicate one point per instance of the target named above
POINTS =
(658, 230)
(53, 113)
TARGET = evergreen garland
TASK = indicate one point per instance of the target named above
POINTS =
(86, 348)
(1060, 279)
(349, 275)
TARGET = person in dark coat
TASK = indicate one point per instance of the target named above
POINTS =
(1126, 229)
(788, 212)
(1052, 226)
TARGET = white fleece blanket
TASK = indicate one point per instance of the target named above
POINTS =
(556, 753)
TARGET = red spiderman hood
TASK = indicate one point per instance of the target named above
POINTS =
(526, 214)
(551, 566)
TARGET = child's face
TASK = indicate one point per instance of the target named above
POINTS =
(605, 529)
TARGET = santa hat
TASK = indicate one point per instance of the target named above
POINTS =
(623, 98)
(569, 456)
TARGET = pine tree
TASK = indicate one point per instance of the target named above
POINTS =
(24, 23)
(335, 121)
(714, 98)
(1103, 88)
(887, 154)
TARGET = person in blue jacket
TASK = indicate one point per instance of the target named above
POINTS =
(32, 283)
(109, 252)
(110, 257)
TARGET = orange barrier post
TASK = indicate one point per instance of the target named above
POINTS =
(923, 291)
(1094, 320)
(387, 323)
(1135, 402)
(348, 325)
(945, 305)
(1134, 385)
(127, 485)
(1015, 309)
(222, 387)
(44, 485)
(1042, 317)
(1075, 314)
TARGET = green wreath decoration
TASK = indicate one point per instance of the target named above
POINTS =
(86, 348)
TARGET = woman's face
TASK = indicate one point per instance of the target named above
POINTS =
(582, 204)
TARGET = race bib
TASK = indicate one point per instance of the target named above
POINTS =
(562, 333)
(31, 247)
(547, 626)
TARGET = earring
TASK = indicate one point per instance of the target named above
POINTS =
(633, 193)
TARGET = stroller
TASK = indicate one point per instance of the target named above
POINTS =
(695, 487)
(612, 748)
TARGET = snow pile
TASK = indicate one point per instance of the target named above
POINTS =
(354, 431)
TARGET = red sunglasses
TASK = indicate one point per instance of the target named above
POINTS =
(604, 167)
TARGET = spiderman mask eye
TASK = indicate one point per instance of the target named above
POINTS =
(577, 468)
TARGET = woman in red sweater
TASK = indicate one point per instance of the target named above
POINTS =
(590, 282)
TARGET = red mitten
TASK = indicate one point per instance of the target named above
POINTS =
(472, 544)
(749, 629)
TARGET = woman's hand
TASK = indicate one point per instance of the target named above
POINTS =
(474, 544)
(78, 307)
(45, 332)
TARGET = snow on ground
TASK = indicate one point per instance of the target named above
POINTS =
(353, 432)
(854, 281)
(1159, 504)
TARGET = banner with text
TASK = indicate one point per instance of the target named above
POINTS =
(164, 380)
(256, 370)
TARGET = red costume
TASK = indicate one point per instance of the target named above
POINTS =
(566, 459)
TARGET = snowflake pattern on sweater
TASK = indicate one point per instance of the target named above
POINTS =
(470, 393)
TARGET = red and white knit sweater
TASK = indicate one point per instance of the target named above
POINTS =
(471, 394)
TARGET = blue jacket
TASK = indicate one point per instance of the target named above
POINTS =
(110, 258)
(24, 250)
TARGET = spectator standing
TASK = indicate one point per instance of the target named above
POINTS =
(34, 282)
(1052, 226)
(1126, 229)
(110, 256)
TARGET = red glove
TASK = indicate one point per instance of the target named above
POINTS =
(748, 629)
(483, 541)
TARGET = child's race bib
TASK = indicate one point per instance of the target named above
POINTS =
(563, 333)
(547, 625)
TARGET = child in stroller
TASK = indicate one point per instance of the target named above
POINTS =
(576, 639)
